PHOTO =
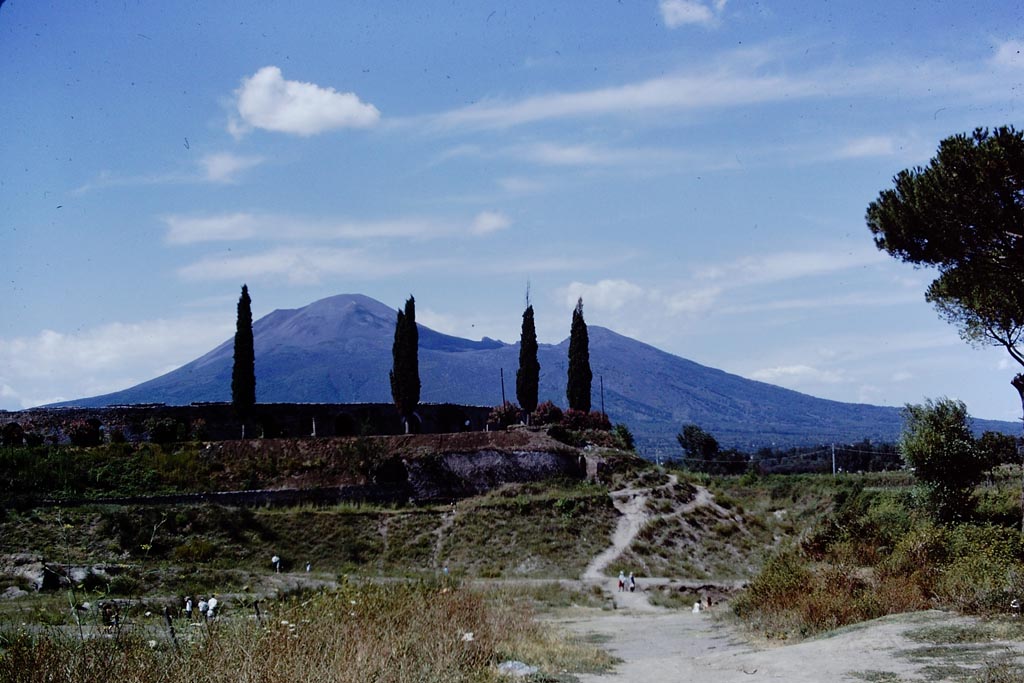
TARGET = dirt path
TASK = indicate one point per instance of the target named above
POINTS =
(632, 505)
(447, 520)
(659, 645)
(664, 645)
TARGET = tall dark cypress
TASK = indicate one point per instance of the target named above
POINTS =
(405, 370)
(243, 373)
(528, 374)
(577, 388)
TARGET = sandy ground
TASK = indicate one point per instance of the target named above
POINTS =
(659, 645)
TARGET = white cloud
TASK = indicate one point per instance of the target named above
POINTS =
(609, 295)
(693, 299)
(487, 222)
(266, 100)
(715, 88)
(226, 227)
(475, 325)
(221, 167)
(797, 374)
(902, 376)
(54, 366)
(790, 265)
(554, 154)
(520, 185)
(1010, 54)
(224, 166)
(304, 265)
(740, 79)
(870, 146)
(295, 265)
(561, 154)
(282, 228)
(676, 13)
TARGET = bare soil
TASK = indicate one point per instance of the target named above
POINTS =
(659, 645)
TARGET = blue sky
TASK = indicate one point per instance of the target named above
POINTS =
(697, 171)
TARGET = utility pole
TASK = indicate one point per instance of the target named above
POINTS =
(502, 370)
(833, 460)
(602, 396)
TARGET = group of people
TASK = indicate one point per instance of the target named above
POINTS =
(207, 608)
(623, 582)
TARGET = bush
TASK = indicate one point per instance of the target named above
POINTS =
(547, 413)
(164, 430)
(12, 435)
(579, 420)
(623, 438)
(504, 416)
(198, 550)
(85, 433)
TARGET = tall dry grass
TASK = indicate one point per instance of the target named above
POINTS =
(397, 633)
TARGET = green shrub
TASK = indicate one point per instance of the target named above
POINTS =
(781, 582)
(197, 550)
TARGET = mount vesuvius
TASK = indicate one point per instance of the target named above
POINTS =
(338, 350)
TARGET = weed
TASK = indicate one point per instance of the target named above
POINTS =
(395, 633)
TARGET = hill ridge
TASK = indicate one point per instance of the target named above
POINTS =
(338, 349)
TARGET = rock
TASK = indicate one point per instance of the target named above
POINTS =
(517, 669)
(12, 592)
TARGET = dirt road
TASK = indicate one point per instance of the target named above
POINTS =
(658, 646)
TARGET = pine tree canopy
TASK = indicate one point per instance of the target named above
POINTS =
(243, 372)
(405, 371)
(577, 389)
(528, 375)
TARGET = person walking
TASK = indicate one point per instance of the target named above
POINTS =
(632, 582)
(622, 581)
(188, 607)
(211, 607)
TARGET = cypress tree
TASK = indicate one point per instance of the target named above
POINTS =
(243, 372)
(528, 375)
(577, 388)
(405, 370)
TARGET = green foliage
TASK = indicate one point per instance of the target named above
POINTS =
(623, 437)
(998, 449)
(243, 372)
(85, 433)
(109, 470)
(405, 370)
(528, 374)
(702, 453)
(547, 413)
(401, 633)
(577, 388)
(937, 443)
(579, 420)
(165, 430)
(13, 434)
(962, 214)
(504, 415)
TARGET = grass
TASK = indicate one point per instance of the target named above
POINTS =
(530, 530)
(553, 595)
(389, 633)
(673, 599)
(713, 541)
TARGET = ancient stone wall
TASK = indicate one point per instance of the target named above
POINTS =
(220, 421)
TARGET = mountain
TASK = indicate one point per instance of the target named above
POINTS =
(338, 350)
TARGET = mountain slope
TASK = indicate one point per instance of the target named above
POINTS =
(339, 350)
